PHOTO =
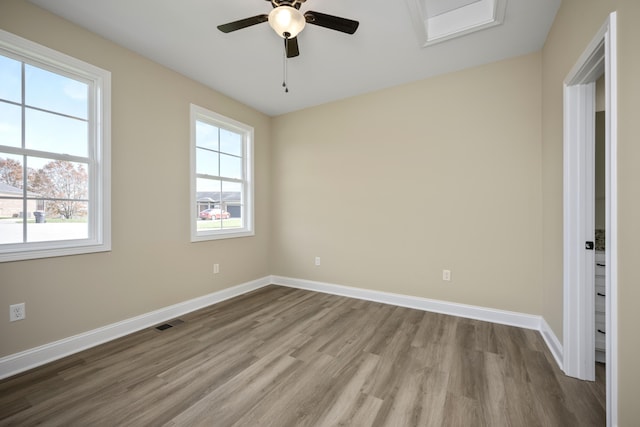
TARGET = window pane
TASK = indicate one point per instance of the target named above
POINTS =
(63, 184)
(50, 132)
(207, 162)
(53, 92)
(207, 186)
(10, 125)
(10, 176)
(206, 136)
(208, 193)
(220, 190)
(232, 197)
(11, 199)
(208, 198)
(230, 166)
(44, 225)
(11, 230)
(48, 114)
(10, 79)
(230, 142)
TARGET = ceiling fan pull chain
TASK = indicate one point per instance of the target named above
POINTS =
(284, 65)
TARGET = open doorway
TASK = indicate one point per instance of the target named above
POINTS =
(579, 224)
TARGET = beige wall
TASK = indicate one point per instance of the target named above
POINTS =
(392, 187)
(152, 264)
(576, 24)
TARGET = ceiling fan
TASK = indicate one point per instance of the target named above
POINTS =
(287, 21)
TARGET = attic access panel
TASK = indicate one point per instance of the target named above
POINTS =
(436, 21)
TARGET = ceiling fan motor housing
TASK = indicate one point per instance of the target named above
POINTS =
(286, 21)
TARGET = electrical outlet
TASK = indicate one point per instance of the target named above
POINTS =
(216, 268)
(17, 312)
(317, 261)
(446, 275)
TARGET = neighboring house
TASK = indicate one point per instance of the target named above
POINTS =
(11, 202)
(229, 201)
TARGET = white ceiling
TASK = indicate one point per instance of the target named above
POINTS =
(247, 65)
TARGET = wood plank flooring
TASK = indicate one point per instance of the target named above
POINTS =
(286, 357)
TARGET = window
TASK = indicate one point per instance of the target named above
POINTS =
(54, 153)
(221, 176)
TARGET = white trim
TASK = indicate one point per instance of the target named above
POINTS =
(611, 279)
(99, 156)
(458, 22)
(599, 57)
(578, 226)
(197, 113)
(511, 318)
(552, 341)
(20, 362)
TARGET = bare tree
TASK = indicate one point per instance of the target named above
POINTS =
(65, 184)
(11, 172)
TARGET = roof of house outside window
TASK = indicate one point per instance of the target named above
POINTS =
(10, 190)
(215, 196)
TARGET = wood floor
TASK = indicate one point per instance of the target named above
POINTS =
(286, 357)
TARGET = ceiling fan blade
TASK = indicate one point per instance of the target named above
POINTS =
(243, 23)
(291, 45)
(345, 25)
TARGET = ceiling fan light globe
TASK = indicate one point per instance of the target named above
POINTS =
(286, 21)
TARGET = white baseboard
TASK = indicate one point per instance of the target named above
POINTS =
(526, 321)
(511, 318)
(25, 360)
(20, 362)
(553, 343)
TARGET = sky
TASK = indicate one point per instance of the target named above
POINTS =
(56, 111)
(218, 152)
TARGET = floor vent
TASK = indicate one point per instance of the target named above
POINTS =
(170, 324)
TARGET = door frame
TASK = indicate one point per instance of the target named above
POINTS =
(578, 217)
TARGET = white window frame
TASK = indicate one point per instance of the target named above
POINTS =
(198, 113)
(99, 166)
